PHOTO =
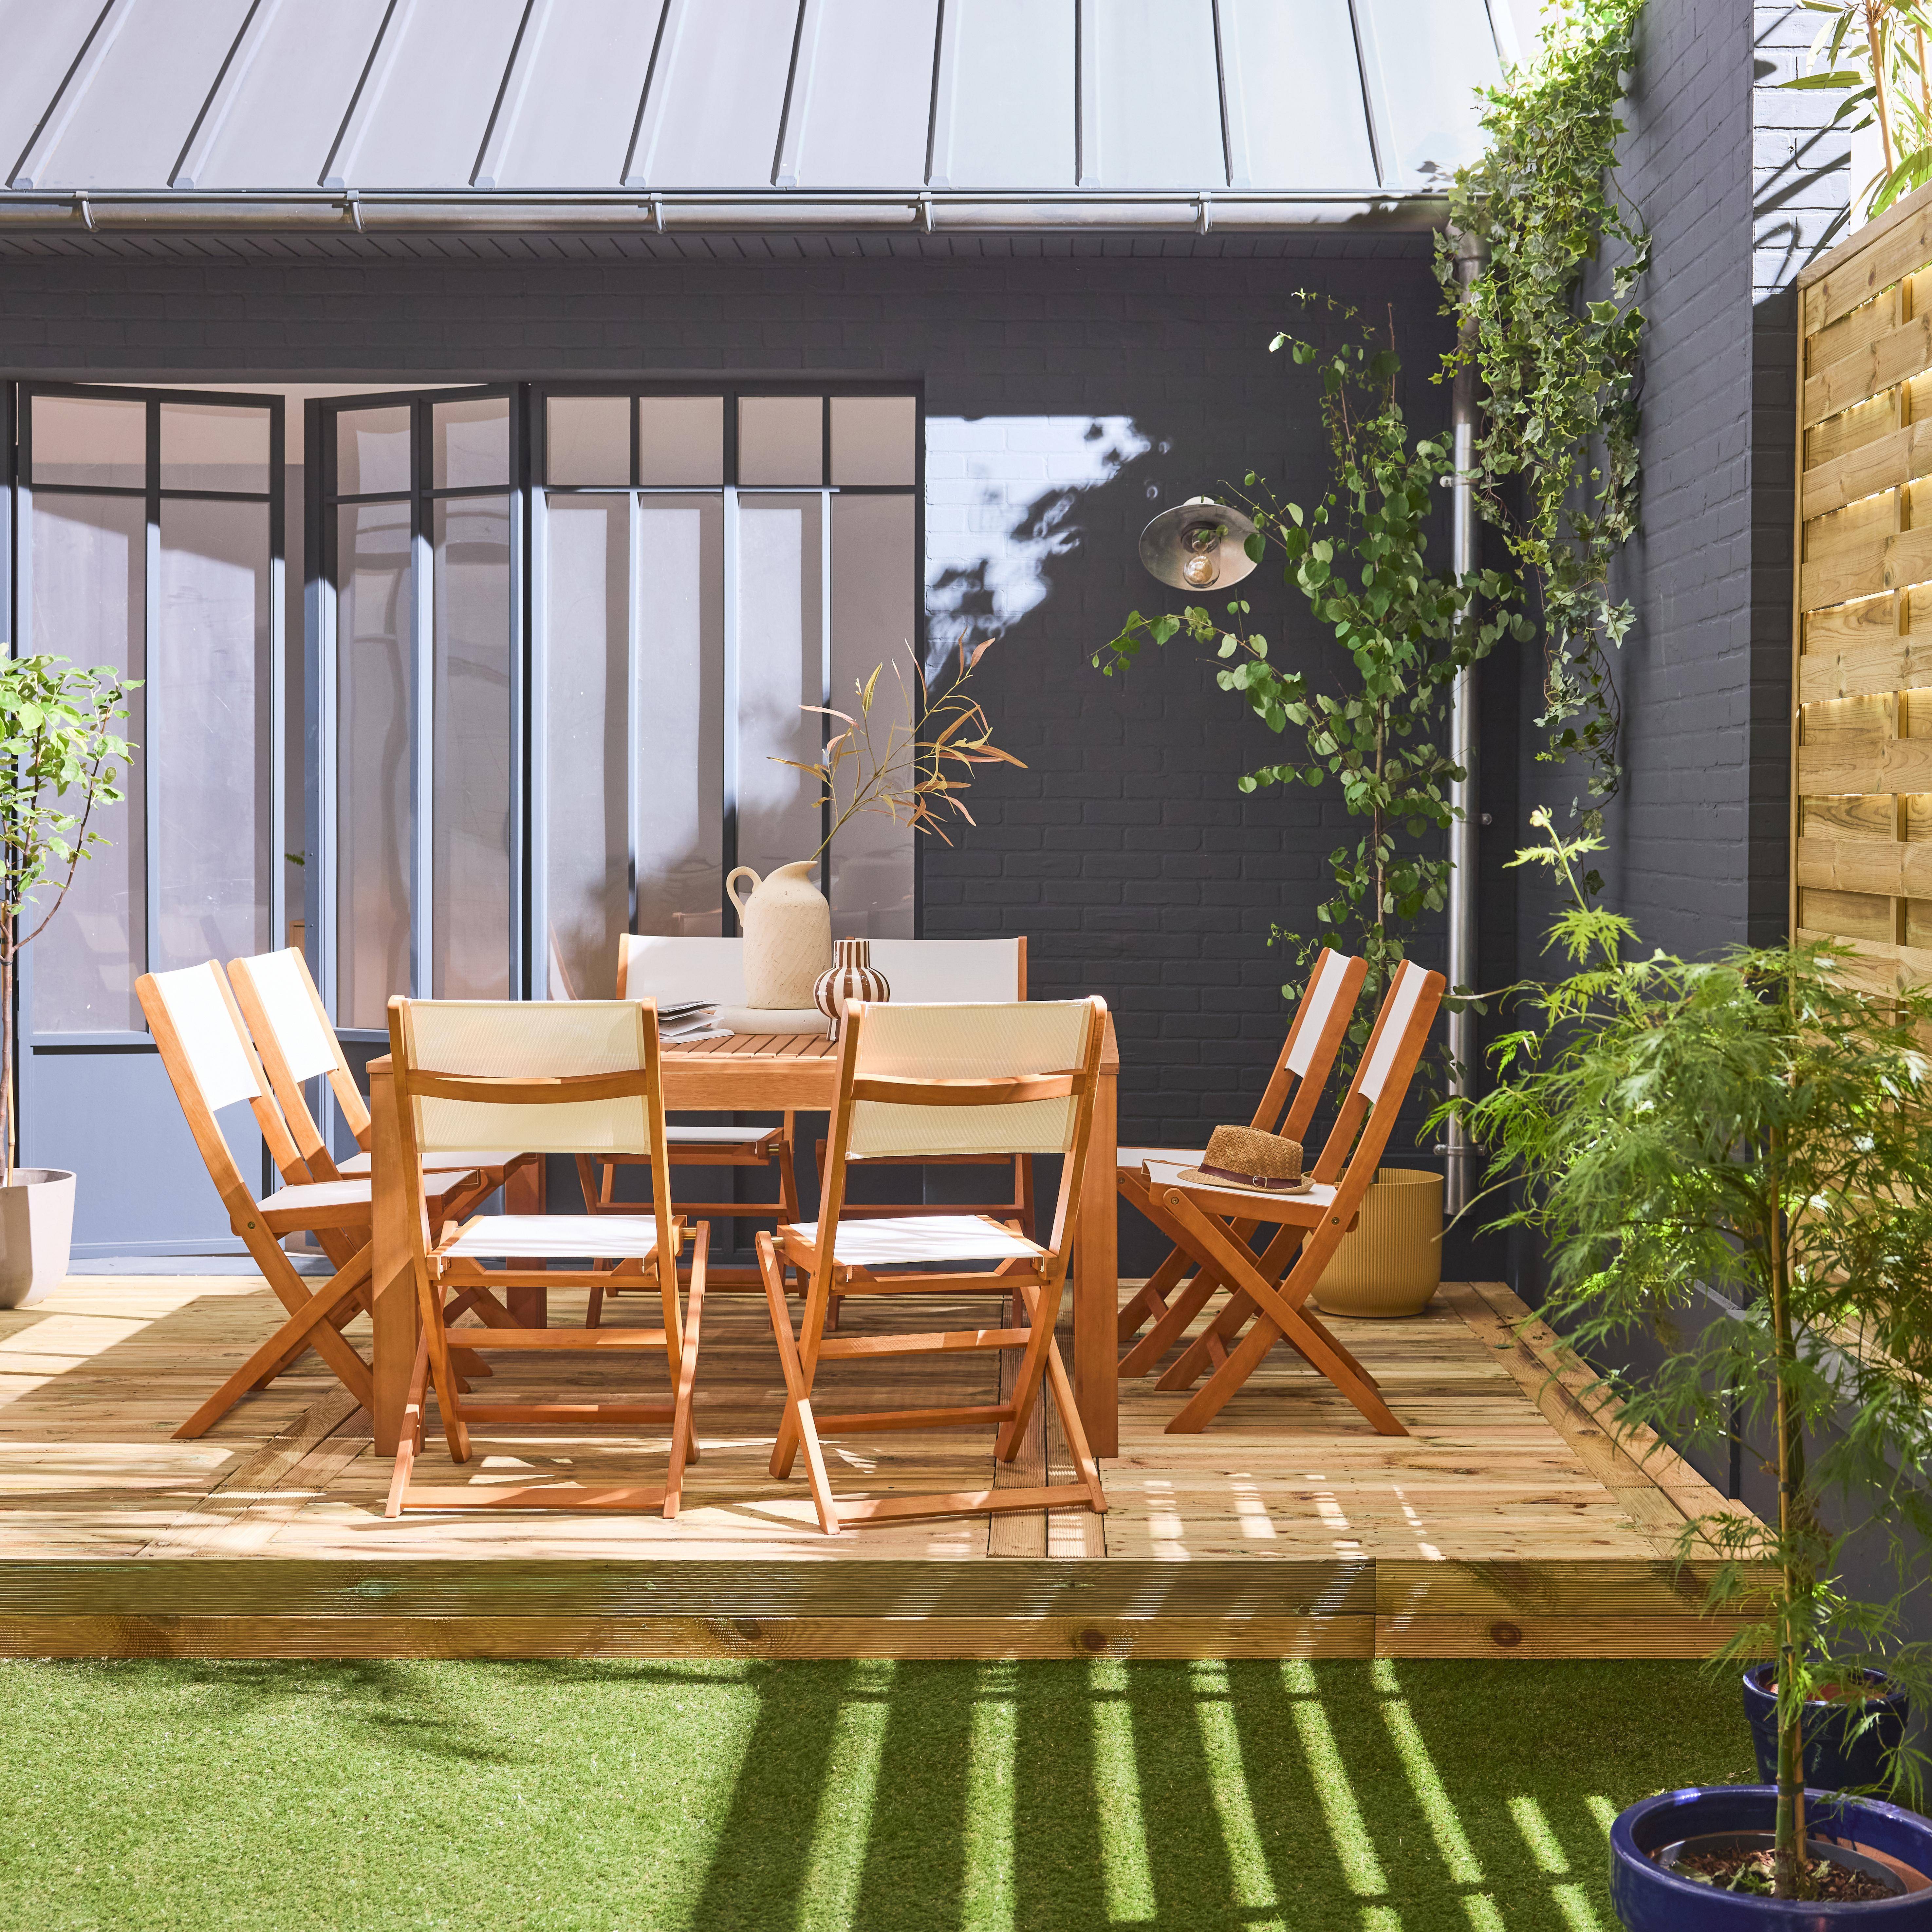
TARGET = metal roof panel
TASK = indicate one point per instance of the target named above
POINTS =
(1154, 96)
(868, 93)
(1290, 110)
(1423, 60)
(587, 66)
(1012, 94)
(718, 94)
(41, 46)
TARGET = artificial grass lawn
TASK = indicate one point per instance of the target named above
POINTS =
(1393, 1797)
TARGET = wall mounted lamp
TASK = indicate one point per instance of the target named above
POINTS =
(1197, 545)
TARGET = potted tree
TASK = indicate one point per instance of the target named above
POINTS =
(61, 758)
(1738, 1155)
(1359, 558)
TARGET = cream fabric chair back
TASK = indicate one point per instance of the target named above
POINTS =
(533, 1041)
(1014, 1038)
(1392, 1029)
(282, 989)
(212, 1046)
(922, 971)
(651, 966)
(1314, 1016)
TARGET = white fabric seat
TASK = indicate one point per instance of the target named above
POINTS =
(355, 1166)
(1135, 1158)
(565, 1237)
(1166, 1173)
(936, 1238)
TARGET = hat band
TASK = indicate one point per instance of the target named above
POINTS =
(1276, 1184)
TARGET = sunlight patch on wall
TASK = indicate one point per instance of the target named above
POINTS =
(1002, 500)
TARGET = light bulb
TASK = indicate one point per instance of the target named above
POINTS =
(1203, 568)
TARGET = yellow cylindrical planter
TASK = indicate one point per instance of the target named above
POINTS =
(1392, 1264)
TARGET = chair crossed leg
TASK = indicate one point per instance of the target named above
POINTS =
(800, 1352)
(1269, 1305)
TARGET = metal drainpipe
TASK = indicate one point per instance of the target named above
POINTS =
(1464, 747)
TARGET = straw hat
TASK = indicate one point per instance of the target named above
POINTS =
(1243, 1157)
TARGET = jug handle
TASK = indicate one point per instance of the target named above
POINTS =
(731, 887)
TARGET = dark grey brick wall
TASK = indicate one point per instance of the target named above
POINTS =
(1124, 850)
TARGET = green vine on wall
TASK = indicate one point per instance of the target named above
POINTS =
(1556, 450)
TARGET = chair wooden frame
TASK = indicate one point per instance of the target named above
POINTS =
(443, 1270)
(1315, 1036)
(1031, 1277)
(214, 1072)
(1268, 1293)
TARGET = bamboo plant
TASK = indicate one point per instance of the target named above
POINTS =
(61, 758)
(1874, 52)
(1749, 1142)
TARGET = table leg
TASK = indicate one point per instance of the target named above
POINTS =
(526, 1191)
(392, 1279)
(1096, 1282)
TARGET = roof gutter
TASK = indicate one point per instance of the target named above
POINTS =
(1086, 211)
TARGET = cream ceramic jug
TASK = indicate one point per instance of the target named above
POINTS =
(787, 934)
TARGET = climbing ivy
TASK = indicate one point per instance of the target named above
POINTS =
(1555, 457)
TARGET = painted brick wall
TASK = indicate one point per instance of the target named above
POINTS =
(1069, 400)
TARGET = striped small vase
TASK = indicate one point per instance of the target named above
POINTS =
(853, 976)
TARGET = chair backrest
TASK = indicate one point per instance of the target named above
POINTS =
(576, 1076)
(962, 971)
(279, 1000)
(1354, 1148)
(211, 1062)
(1320, 1025)
(1018, 1077)
(651, 966)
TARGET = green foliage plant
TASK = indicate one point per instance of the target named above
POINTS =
(1758, 1127)
(1359, 556)
(1873, 52)
(61, 758)
(1556, 469)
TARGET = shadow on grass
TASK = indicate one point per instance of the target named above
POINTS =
(721, 1797)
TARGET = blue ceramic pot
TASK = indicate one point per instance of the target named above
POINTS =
(1831, 1764)
(1649, 1899)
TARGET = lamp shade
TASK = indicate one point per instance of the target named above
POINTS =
(1197, 545)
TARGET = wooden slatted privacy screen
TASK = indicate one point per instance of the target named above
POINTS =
(1862, 751)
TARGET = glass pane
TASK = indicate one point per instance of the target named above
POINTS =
(587, 438)
(470, 908)
(681, 441)
(89, 559)
(470, 443)
(211, 683)
(210, 446)
(90, 439)
(587, 870)
(875, 439)
(372, 451)
(873, 620)
(781, 439)
(680, 777)
(779, 669)
(374, 824)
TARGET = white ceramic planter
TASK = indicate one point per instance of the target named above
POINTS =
(1392, 1264)
(36, 1233)
(787, 934)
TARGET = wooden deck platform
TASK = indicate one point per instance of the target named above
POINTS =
(1510, 1522)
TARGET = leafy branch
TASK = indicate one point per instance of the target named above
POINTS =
(912, 762)
(1359, 556)
(1873, 52)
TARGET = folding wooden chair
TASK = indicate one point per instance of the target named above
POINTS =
(661, 969)
(1268, 1293)
(211, 1063)
(917, 1081)
(1321, 1024)
(279, 999)
(581, 1077)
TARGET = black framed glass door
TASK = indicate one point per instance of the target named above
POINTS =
(150, 537)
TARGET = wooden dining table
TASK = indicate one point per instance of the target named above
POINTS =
(747, 1073)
